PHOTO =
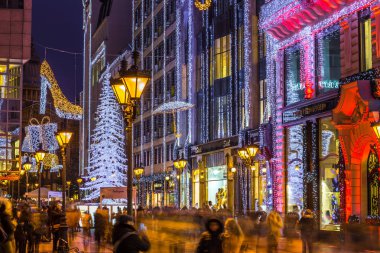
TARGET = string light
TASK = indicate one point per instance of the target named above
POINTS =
(63, 107)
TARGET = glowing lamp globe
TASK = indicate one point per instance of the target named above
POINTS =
(68, 183)
(79, 180)
(252, 150)
(233, 169)
(121, 93)
(27, 166)
(40, 155)
(22, 172)
(376, 128)
(63, 137)
(180, 164)
(167, 178)
(138, 171)
(243, 153)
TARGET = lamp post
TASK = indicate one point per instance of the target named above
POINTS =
(68, 189)
(179, 164)
(63, 139)
(128, 90)
(27, 166)
(79, 181)
(39, 156)
(139, 171)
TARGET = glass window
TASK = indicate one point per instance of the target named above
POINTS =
(217, 185)
(196, 187)
(263, 101)
(328, 59)
(329, 174)
(294, 152)
(365, 44)
(373, 182)
(293, 86)
(222, 50)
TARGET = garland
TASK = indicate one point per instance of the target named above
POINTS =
(203, 6)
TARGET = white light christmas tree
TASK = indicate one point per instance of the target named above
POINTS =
(107, 150)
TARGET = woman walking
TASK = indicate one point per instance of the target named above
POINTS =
(232, 237)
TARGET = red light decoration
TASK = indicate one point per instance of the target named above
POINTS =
(309, 91)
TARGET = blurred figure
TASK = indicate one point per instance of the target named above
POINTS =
(55, 221)
(355, 234)
(8, 246)
(71, 223)
(307, 231)
(86, 226)
(275, 224)
(44, 229)
(126, 239)
(233, 237)
(100, 226)
(211, 239)
(291, 221)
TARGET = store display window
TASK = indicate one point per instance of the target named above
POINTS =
(329, 175)
(217, 186)
(294, 154)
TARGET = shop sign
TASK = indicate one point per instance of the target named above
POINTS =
(215, 145)
(310, 110)
(10, 177)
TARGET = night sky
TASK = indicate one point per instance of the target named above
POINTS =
(58, 24)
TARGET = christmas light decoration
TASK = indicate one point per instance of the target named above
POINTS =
(38, 133)
(202, 6)
(63, 107)
(107, 154)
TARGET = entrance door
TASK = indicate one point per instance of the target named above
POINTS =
(373, 181)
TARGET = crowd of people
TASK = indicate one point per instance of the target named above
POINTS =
(23, 227)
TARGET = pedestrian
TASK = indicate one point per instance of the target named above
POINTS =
(86, 226)
(55, 219)
(291, 221)
(6, 224)
(126, 239)
(307, 226)
(100, 226)
(211, 239)
(274, 225)
(233, 236)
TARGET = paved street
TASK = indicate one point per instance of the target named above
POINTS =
(166, 236)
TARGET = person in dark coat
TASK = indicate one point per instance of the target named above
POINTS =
(126, 239)
(6, 222)
(211, 239)
(307, 226)
(55, 221)
(100, 225)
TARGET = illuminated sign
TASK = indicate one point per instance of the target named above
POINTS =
(310, 110)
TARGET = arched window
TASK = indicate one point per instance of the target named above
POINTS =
(373, 181)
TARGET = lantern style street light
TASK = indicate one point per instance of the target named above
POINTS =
(63, 139)
(128, 90)
(39, 156)
(179, 164)
(248, 153)
(139, 171)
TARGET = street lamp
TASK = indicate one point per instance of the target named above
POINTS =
(63, 139)
(68, 188)
(179, 164)
(39, 156)
(139, 171)
(79, 181)
(128, 90)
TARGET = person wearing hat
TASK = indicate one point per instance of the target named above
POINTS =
(307, 226)
(126, 239)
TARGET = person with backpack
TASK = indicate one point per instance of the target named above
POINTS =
(7, 227)
(126, 239)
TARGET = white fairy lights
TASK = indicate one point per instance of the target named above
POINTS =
(107, 156)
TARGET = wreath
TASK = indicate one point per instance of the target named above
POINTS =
(203, 6)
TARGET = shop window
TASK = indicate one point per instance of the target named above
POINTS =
(217, 186)
(365, 44)
(373, 182)
(328, 50)
(329, 175)
(222, 50)
(196, 187)
(294, 88)
(294, 153)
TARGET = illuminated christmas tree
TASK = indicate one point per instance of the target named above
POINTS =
(107, 164)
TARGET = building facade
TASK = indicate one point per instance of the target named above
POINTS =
(15, 48)
(321, 73)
